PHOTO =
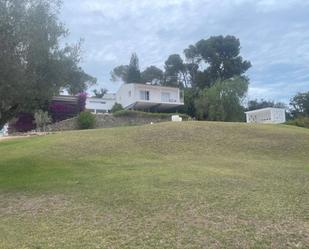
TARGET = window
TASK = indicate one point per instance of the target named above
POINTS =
(129, 94)
(144, 95)
(165, 97)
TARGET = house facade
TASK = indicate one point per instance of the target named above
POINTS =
(101, 105)
(144, 97)
(267, 116)
(148, 97)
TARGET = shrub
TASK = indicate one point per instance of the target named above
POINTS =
(116, 108)
(82, 97)
(41, 119)
(23, 122)
(61, 110)
(86, 120)
(300, 122)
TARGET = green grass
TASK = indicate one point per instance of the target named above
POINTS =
(134, 114)
(169, 185)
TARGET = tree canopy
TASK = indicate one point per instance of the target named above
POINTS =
(152, 75)
(300, 105)
(128, 73)
(220, 56)
(99, 93)
(259, 104)
(35, 65)
(223, 100)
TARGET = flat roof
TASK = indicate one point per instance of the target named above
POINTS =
(152, 86)
(265, 109)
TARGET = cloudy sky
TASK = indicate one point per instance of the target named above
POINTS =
(274, 36)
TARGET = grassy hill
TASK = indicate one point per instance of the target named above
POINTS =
(170, 185)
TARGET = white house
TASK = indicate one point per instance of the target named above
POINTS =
(266, 115)
(149, 97)
(101, 105)
(139, 97)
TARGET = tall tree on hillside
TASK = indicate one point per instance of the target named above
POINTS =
(120, 73)
(152, 75)
(221, 57)
(175, 71)
(300, 105)
(223, 100)
(128, 73)
(35, 65)
(134, 73)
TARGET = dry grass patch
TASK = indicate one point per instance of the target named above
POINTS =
(189, 185)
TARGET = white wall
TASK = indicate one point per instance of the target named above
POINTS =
(155, 93)
(125, 95)
(266, 115)
(278, 115)
(100, 104)
(130, 93)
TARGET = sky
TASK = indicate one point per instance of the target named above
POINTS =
(274, 36)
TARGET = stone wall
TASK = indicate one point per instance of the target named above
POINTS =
(108, 121)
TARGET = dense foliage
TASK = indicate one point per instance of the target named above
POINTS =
(128, 73)
(36, 66)
(23, 122)
(300, 122)
(116, 108)
(259, 104)
(222, 101)
(300, 105)
(86, 120)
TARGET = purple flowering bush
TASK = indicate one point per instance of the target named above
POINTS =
(60, 111)
(82, 97)
(23, 122)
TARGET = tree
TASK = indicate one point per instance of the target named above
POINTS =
(35, 65)
(259, 104)
(41, 119)
(153, 75)
(120, 73)
(189, 102)
(128, 73)
(100, 93)
(223, 100)
(117, 107)
(220, 55)
(300, 105)
(134, 73)
(175, 71)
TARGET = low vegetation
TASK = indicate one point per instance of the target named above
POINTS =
(300, 122)
(117, 108)
(86, 120)
(168, 185)
(130, 113)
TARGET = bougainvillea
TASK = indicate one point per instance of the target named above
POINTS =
(22, 123)
(61, 110)
(82, 97)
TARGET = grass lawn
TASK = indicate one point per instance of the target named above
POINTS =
(170, 185)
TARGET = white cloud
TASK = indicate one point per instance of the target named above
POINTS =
(273, 35)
